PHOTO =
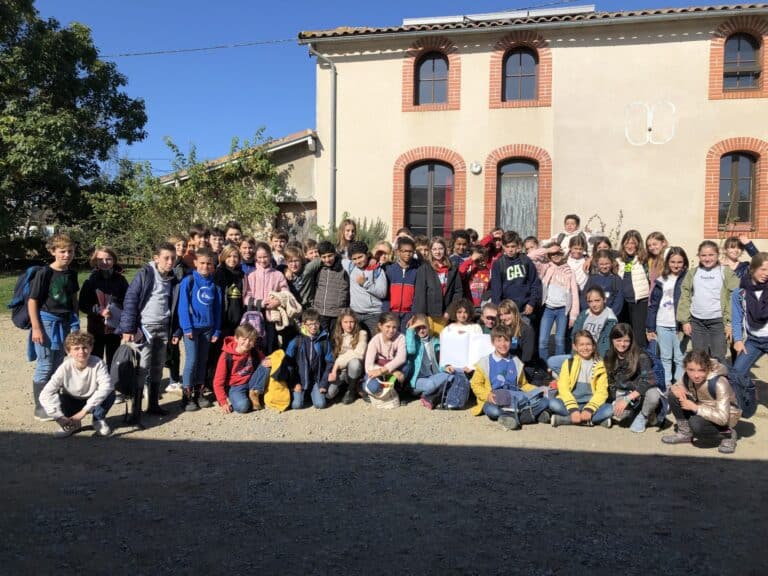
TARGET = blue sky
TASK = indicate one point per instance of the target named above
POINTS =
(207, 98)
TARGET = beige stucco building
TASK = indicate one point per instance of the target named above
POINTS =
(518, 120)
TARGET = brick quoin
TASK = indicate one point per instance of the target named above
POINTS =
(422, 154)
(527, 39)
(524, 152)
(416, 51)
(758, 149)
(757, 28)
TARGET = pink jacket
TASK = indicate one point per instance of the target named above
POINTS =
(561, 275)
(259, 283)
(391, 352)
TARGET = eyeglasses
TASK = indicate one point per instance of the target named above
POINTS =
(491, 318)
(311, 324)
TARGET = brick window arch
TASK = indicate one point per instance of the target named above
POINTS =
(421, 155)
(540, 47)
(523, 152)
(413, 57)
(751, 149)
(745, 27)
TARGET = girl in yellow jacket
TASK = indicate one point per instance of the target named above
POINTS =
(582, 388)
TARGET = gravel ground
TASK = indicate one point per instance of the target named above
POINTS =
(352, 490)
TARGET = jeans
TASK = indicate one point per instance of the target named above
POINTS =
(48, 359)
(71, 405)
(555, 363)
(558, 317)
(318, 398)
(755, 348)
(108, 343)
(520, 400)
(650, 404)
(238, 395)
(556, 406)
(196, 351)
(152, 354)
(700, 427)
(709, 335)
(432, 384)
(671, 349)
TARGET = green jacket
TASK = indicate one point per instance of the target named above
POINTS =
(730, 283)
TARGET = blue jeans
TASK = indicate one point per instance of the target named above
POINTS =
(558, 317)
(671, 349)
(432, 384)
(238, 395)
(520, 400)
(47, 359)
(756, 347)
(555, 363)
(71, 405)
(556, 406)
(196, 352)
(318, 398)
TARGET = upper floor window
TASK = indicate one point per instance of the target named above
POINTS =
(432, 79)
(741, 65)
(737, 189)
(520, 75)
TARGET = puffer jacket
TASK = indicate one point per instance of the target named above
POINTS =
(722, 410)
(619, 378)
(640, 283)
(332, 291)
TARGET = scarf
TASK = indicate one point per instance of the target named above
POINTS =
(757, 308)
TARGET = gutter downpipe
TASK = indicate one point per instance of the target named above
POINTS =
(332, 192)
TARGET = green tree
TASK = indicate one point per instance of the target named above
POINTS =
(62, 111)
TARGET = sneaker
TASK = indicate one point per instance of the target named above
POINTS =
(66, 430)
(557, 420)
(638, 424)
(728, 444)
(203, 402)
(607, 423)
(173, 386)
(41, 415)
(119, 398)
(544, 418)
(509, 421)
(102, 428)
(426, 403)
(191, 406)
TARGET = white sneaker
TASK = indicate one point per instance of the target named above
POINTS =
(119, 398)
(102, 428)
(66, 430)
(173, 386)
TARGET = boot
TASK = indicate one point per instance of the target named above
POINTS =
(557, 420)
(154, 400)
(728, 444)
(40, 413)
(134, 417)
(188, 401)
(682, 436)
(255, 398)
(350, 395)
(200, 398)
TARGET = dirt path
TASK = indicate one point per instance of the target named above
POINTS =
(351, 490)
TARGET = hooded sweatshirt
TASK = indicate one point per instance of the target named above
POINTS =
(366, 298)
(200, 304)
(243, 367)
(515, 279)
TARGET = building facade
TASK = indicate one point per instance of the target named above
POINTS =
(660, 115)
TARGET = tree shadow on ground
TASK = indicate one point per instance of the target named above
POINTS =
(134, 506)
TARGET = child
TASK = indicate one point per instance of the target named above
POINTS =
(331, 285)
(473, 235)
(733, 249)
(101, 299)
(582, 388)
(199, 234)
(233, 233)
(704, 309)
(293, 270)
(494, 243)
(461, 314)
(656, 246)
(459, 247)
(52, 308)
(216, 241)
(476, 275)
(662, 325)
(604, 278)
(401, 280)
(258, 284)
(529, 244)
(513, 277)
(180, 243)
(437, 283)
(278, 239)
(346, 233)
(698, 413)
(150, 312)
(200, 306)
(501, 389)
(349, 344)
(577, 260)
(81, 385)
(310, 357)
(310, 250)
(248, 255)
(367, 285)
(243, 369)
(382, 253)
(560, 297)
(230, 279)
(571, 224)
(522, 336)
(633, 270)
(631, 381)
(421, 243)
(423, 348)
(750, 315)
(385, 357)
(488, 317)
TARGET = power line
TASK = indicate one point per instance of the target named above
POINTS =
(202, 49)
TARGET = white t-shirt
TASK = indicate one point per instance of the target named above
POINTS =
(665, 317)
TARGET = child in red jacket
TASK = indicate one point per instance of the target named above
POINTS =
(243, 369)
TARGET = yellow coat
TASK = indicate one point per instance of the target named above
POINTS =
(567, 382)
(277, 395)
(481, 383)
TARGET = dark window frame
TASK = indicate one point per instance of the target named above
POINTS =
(518, 52)
(431, 164)
(434, 55)
(733, 177)
(747, 71)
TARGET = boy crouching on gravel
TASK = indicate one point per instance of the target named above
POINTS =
(241, 373)
(80, 386)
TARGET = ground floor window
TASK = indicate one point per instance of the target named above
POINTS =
(429, 199)
(517, 196)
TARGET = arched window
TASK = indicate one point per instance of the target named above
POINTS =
(520, 75)
(431, 80)
(429, 198)
(737, 189)
(517, 196)
(741, 63)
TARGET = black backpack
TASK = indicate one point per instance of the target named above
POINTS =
(125, 374)
(18, 303)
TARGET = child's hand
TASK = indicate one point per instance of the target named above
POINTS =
(575, 417)
(126, 338)
(619, 406)
(297, 388)
(744, 239)
(492, 398)
(650, 335)
(189, 336)
(79, 416)
(450, 369)
(571, 321)
(272, 303)
(678, 391)
(687, 329)
(226, 408)
(688, 404)
(528, 310)
(360, 279)
(174, 340)
(332, 376)
(468, 369)
(267, 362)
(740, 347)
(37, 335)
(323, 390)
(214, 339)
(586, 417)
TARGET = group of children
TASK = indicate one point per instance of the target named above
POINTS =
(344, 321)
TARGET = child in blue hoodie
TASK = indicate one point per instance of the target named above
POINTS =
(200, 306)
(309, 358)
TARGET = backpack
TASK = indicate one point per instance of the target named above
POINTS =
(456, 392)
(124, 374)
(18, 303)
(743, 388)
(255, 319)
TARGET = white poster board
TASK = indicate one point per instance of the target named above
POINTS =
(463, 350)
